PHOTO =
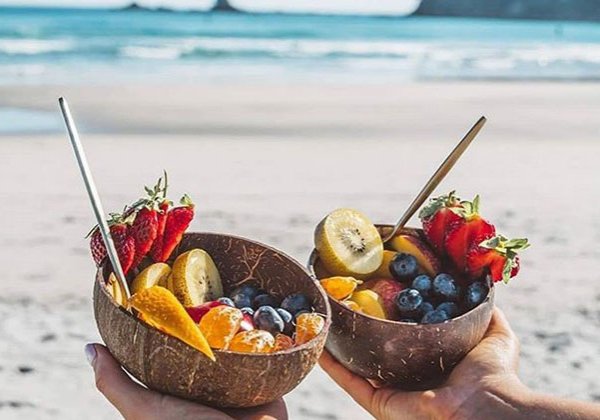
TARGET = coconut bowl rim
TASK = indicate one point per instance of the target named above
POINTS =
(314, 256)
(102, 284)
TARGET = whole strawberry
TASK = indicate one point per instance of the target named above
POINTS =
(124, 243)
(496, 256)
(178, 220)
(437, 217)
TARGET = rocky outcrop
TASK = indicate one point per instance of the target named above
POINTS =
(513, 9)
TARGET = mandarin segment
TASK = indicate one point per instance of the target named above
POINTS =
(220, 324)
(254, 341)
(339, 287)
(161, 309)
(283, 342)
(308, 326)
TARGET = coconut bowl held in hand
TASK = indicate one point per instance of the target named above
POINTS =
(213, 318)
(405, 313)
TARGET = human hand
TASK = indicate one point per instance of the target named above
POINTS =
(475, 388)
(134, 401)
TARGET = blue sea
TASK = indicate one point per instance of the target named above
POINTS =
(40, 46)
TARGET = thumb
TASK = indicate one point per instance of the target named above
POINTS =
(132, 400)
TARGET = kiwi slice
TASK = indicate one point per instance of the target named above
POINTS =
(348, 244)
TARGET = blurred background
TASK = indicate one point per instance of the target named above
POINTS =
(271, 114)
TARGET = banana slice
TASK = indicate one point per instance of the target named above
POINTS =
(116, 290)
(349, 244)
(195, 278)
(155, 274)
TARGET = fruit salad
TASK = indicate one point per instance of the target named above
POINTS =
(183, 296)
(425, 276)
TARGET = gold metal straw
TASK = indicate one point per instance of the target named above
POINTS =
(437, 177)
(93, 193)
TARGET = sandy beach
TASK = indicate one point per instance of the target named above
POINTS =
(268, 162)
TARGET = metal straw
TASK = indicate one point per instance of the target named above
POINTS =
(93, 193)
(437, 177)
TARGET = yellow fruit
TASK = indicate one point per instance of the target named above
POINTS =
(151, 276)
(348, 244)
(339, 287)
(253, 341)
(195, 278)
(220, 324)
(384, 268)
(161, 309)
(412, 245)
(350, 304)
(369, 302)
(283, 342)
(308, 326)
(116, 290)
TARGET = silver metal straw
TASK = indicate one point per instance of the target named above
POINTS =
(437, 177)
(93, 193)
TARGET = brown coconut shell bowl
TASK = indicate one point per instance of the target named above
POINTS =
(167, 365)
(405, 355)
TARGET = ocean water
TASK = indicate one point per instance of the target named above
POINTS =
(39, 46)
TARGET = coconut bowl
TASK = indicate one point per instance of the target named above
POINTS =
(167, 365)
(406, 355)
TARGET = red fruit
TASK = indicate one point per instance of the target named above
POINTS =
(160, 231)
(247, 323)
(387, 289)
(470, 229)
(498, 256)
(144, 230)
(178, 220)
(437, 216)
(197, 312)
(124, 243)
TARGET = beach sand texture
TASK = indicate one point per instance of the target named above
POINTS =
(268, 162)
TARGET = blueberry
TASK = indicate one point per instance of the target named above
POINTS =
(226, 301)
(408, 301)
(475, 294)
(266, 318)
(450, 308)
(445, 288)
(264, 299)
(424, 308)
(247, 310)
(435, 317)
(243, 296)
(295, 303)
(287, 321)
(403, 267)
(423, 284)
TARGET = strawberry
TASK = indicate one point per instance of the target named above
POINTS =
(437, 216)
(144, 230)
(124, 243)
(155, 251)
(469, 229)
(178, 220)
(498, 256)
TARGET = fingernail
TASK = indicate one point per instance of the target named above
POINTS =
(90, 353)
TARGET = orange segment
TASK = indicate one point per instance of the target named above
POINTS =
(254, 341)
(220, 324)
(308, 326)
(283, 342)
(161, 309)
(339, 287)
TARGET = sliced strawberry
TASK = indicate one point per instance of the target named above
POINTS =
(178, 220)
(470, 229)
(144, 230)
(124, 243)
(498, 256)
(155, 251)
(437, 216)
